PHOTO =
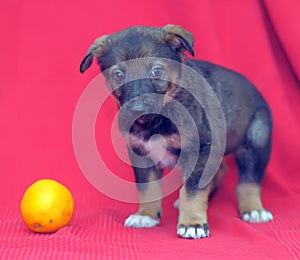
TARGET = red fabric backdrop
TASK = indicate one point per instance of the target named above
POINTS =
(42, 44)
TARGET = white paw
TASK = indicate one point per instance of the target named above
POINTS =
(257, 216)
(138, 221)
(176, 204)
(193, 231)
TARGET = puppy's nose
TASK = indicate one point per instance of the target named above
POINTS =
(137, 107)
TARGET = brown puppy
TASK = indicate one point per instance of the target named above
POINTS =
(159, 95)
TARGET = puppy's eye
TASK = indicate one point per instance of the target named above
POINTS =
(118, 76)
(157, 73)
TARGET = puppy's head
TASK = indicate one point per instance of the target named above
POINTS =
(135, 64)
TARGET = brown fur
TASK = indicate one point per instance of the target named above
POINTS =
(248, 195)
(192, 209)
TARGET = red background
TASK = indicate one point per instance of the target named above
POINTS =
(42, 45)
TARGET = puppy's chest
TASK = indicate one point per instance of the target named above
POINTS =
(162, 150)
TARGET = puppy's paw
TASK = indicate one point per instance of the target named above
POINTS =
(257, 216)
(193, 231)
(139, 221)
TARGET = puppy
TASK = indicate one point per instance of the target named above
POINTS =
(150, 76)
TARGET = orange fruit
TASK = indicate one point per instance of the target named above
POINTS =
(47, 206)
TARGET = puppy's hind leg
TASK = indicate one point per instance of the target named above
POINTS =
(252, 158)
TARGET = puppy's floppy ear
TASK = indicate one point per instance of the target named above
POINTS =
(179, 38)
(96, 50)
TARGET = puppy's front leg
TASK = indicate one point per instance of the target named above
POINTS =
(193, 204)
(192, 222)
(150, 196)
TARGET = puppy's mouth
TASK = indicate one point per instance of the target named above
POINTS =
(148, 119)
(145, 121)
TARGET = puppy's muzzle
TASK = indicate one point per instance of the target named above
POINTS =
(138, 109)
(138, 106)
(141, 109)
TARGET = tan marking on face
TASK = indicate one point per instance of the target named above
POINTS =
(248, 195)
(193, 209)
(168, 94)
(148, 206)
